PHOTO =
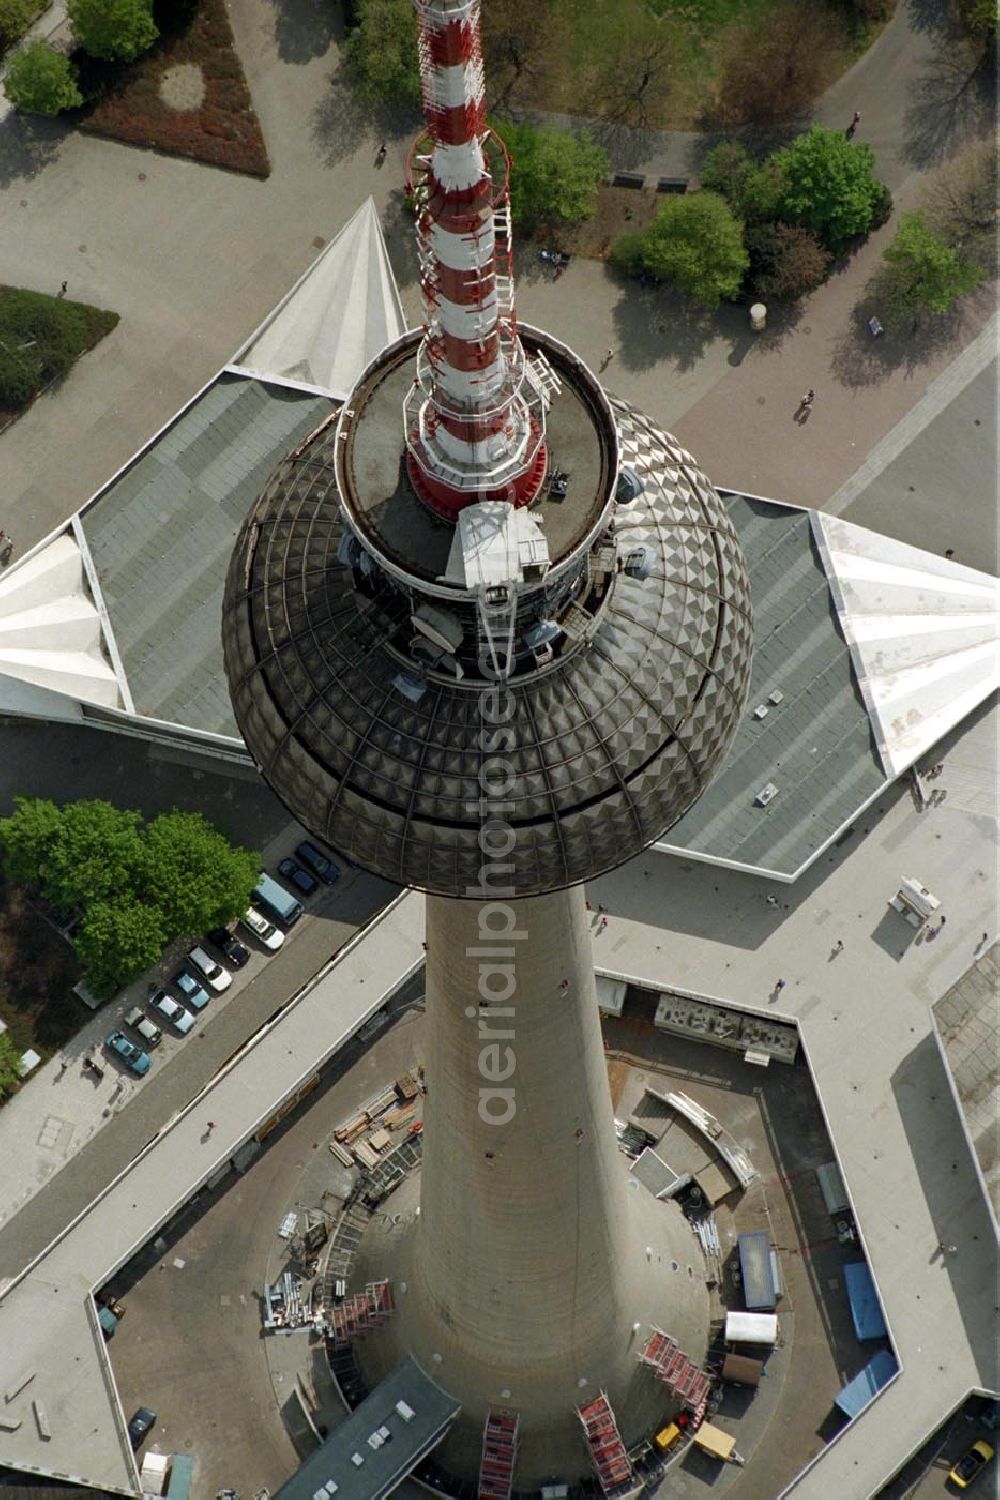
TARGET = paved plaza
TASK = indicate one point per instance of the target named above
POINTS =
(192, 259)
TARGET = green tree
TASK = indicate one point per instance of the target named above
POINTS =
(196, 878)
(28, 838)
(829, 186)
(696, 242)
(41, 81)
(925, 273)
(15, 18)
(554, 176)
(381, 53)
(98, 856)
(117, 30)
(116, 941)
(10, 1072)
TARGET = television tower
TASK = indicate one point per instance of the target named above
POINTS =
(490, 652)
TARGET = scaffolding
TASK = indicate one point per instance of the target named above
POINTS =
(607, 1451)
(357, 1315)
(687, 1380)
(496, 1467)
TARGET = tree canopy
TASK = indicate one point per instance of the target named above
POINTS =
(195, 876)
(41, 81)
(10, 1073)
(98, 855)
(696, 242)
(554, 176)
(15, 18)
(116, 941)
(117, 30)
(924, 273)
(381, 53)
(828, 186)
(131, 887)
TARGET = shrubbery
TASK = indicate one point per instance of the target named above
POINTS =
(41, 81)
(131, 887)
(792, 212)
(696, 242)
(116, 30)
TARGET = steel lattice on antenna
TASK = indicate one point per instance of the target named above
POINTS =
(475, 418)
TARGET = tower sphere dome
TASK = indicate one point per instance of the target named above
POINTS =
(587, 756)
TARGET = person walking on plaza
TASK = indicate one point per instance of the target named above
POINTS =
(855, 122)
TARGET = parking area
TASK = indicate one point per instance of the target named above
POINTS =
(773, 1115)
(199, 1287)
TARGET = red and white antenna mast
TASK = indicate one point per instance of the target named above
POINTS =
(475, 417)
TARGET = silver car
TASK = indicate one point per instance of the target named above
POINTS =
(151, 1035)
(179, 1017)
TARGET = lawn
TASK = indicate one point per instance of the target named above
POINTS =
(38, 970)
(668, 65)
(187, 97)
(41, 338)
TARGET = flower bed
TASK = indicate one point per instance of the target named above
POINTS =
(222, 131)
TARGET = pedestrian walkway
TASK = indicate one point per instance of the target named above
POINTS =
(65, 1103)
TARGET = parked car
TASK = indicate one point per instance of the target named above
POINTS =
(264, 931)
(133, 1057)
(301, 879)
(317, 863)
(141, 1424)
(971, 1464)
(230, 946)
(172, 1010)
(151, 1035)
(194, 994)
(214, 974)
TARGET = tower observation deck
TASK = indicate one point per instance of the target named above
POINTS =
(488, 632)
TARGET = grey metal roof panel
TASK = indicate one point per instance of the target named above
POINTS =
(816, 745)
(162, 534)
(383, 1467)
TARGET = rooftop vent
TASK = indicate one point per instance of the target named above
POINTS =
(760, 712)
(629, 486)
(639, 564)
(776, 697)
(410, 685)
(405, 1411)
(766, 794)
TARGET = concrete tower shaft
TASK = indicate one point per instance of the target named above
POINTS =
(527, 1268)
(509, 1147)
(473, 431)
